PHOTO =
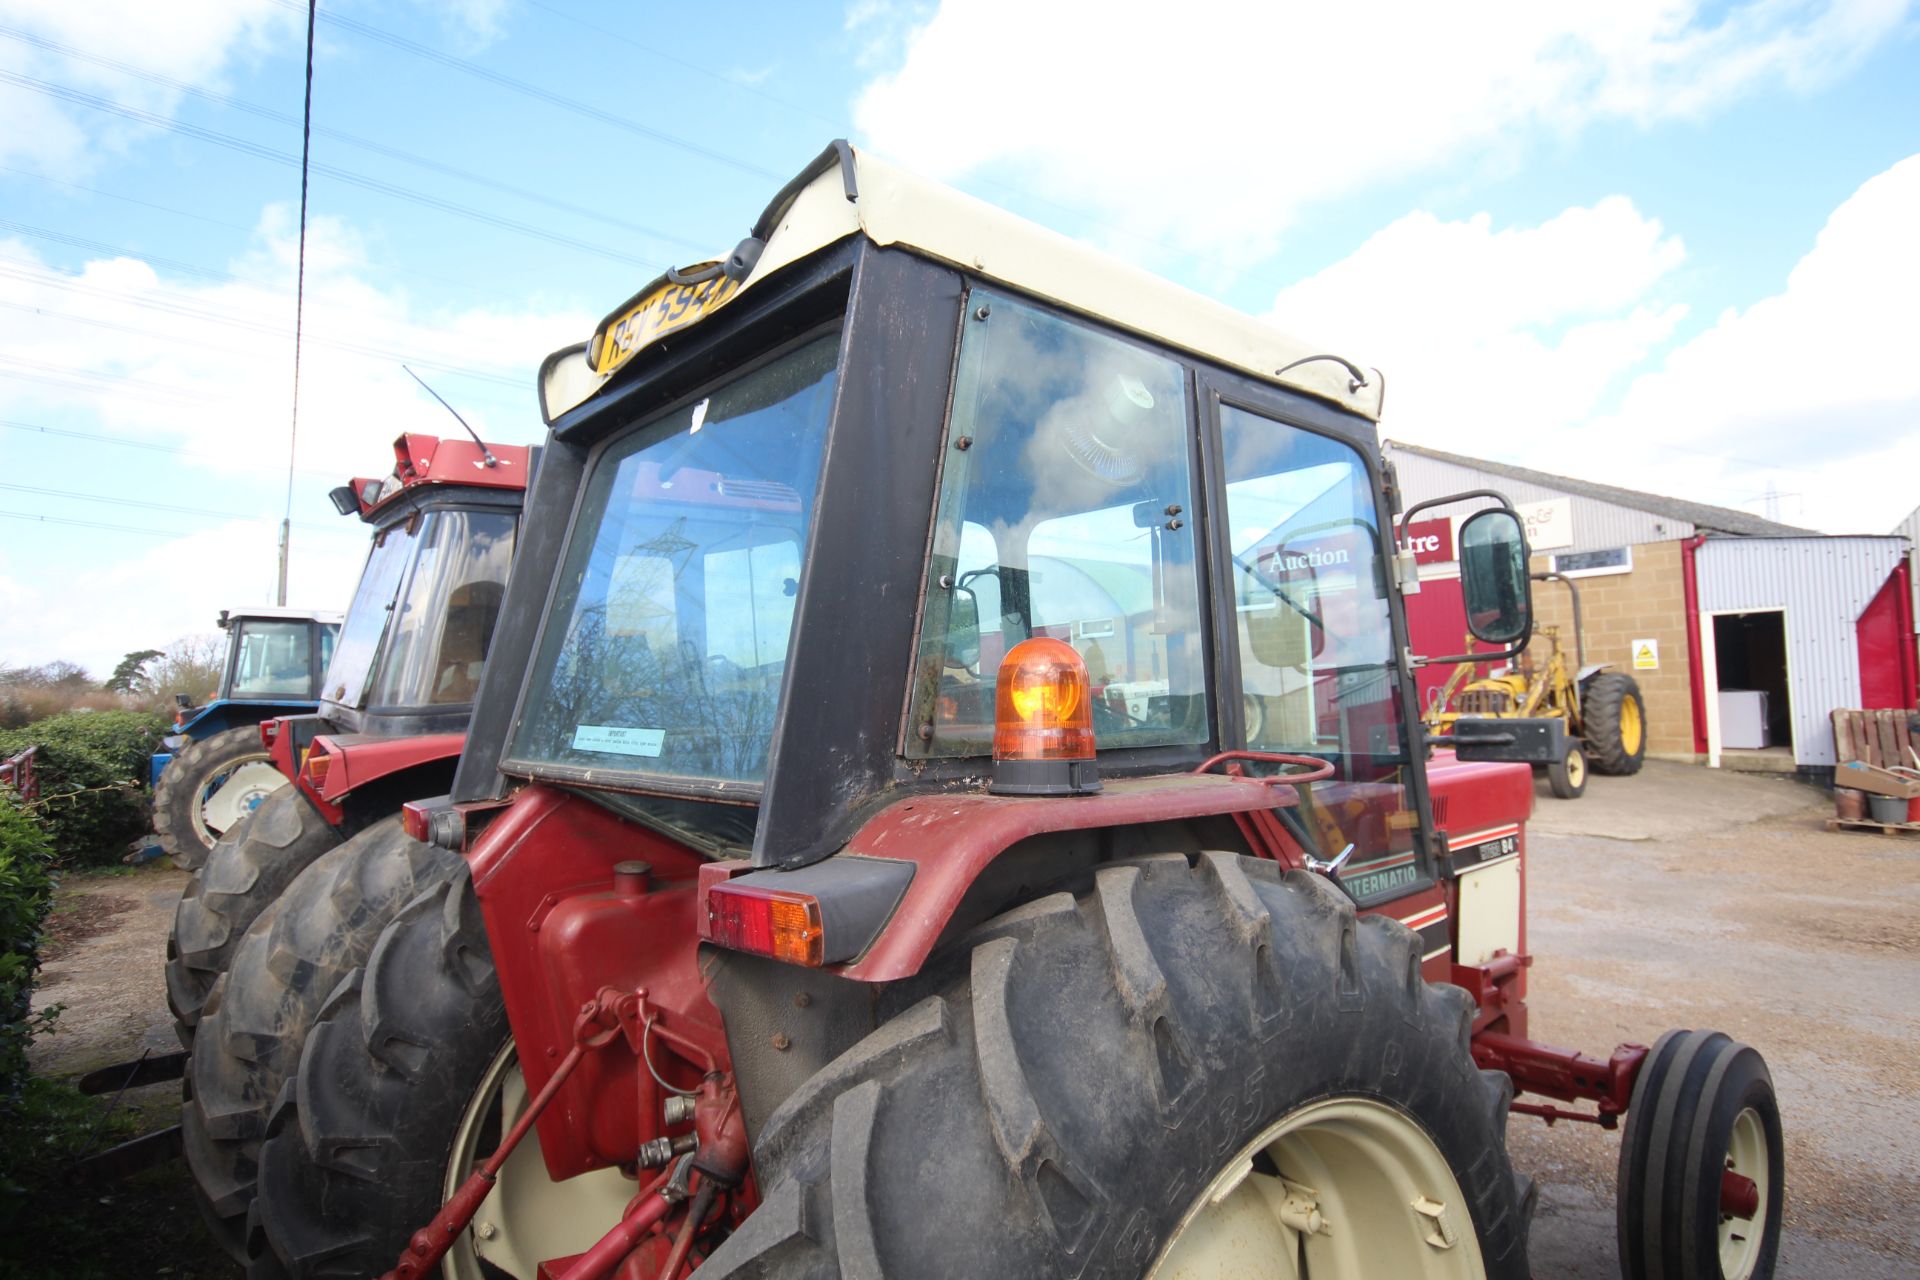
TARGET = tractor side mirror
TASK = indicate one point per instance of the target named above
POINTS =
(1493, 577)
(963, 629)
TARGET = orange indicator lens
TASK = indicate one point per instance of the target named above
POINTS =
(766, 922)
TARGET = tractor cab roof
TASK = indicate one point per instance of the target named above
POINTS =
(846, 193)
(277, 613)
(422, 462)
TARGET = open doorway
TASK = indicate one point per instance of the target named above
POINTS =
(1750, 671)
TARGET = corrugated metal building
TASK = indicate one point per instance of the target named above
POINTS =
(1744, 633)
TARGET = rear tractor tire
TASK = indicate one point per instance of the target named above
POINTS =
(1613, 719)
(1568, 776)
(1189, 1070)
(1702, 1175)
(261, 1011)
(207, 789)
(241, 878)
(407, 1082)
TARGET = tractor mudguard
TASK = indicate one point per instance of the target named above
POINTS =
(951, 841)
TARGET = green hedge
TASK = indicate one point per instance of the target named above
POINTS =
(26, 887)
(92, 770)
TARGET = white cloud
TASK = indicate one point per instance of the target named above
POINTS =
(118, 348)
(209, 365)
(1216, 121)
(1508, 344)
(1488, 335)
(1816, 388)
(163, 590)
(197, 43)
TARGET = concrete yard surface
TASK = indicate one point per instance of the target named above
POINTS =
(1690, 897)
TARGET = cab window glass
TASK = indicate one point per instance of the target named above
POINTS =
(274, 660)
(444, 618)
(1066, 513)
(667, 642)
(1315, 639)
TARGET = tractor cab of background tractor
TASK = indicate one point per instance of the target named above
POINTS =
(274, 663)
(410, 654)
(393, 706)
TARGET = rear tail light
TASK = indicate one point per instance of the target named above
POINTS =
(766, 922)
(269, 730)
(416, 819)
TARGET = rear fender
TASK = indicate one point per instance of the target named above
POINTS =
(955, 842)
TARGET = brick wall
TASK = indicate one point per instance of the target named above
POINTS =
(1620, 608)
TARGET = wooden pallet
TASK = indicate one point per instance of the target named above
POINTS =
(1885, 739)
(1884, 828)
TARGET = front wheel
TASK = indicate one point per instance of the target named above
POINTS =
(207, 789)
(1568, 776)
(1190, 1070)
(1702, 1176)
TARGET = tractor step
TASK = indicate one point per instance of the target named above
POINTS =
(1865, 824)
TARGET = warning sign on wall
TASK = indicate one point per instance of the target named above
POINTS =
(1646, 655)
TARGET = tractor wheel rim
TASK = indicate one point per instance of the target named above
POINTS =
(231, 794)
(1741, 1238)
(1576, 768)
(1630, 725)
(527, 1218)
(1362, 1192)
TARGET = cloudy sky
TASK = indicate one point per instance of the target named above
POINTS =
(1653, 242)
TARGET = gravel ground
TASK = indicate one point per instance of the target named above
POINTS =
(1684, 897)
(1678, 898)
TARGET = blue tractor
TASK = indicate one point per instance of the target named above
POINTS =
(214, 769)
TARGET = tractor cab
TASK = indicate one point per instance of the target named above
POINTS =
(404, 672)
(274, 661)
(275, 658)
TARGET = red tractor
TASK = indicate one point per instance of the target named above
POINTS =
(948, 798)
(308, 875)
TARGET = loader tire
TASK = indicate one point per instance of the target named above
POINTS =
(180, 798)
(260, 1012)
(1101, 1080)
(1613, 719)
(244, 875)
(1702, 1105)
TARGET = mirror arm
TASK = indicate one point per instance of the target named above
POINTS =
(1462, 496)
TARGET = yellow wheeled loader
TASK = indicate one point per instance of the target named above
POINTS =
(1564, 720)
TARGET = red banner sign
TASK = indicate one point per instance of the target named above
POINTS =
(1431, 541)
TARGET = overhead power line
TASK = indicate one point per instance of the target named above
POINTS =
(201, 512)
(225, 456)
(591, 112)
(262, 152)
(338, 135)
(253, 322)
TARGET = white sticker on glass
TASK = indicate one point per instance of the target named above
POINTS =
(618, 739)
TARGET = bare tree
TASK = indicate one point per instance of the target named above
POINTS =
(191, 665)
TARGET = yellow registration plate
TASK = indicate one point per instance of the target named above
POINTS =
(670, 307)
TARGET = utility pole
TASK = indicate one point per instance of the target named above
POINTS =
(286, 531)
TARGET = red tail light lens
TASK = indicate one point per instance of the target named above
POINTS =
(766, 922)
(269, 730)
(417, 821)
